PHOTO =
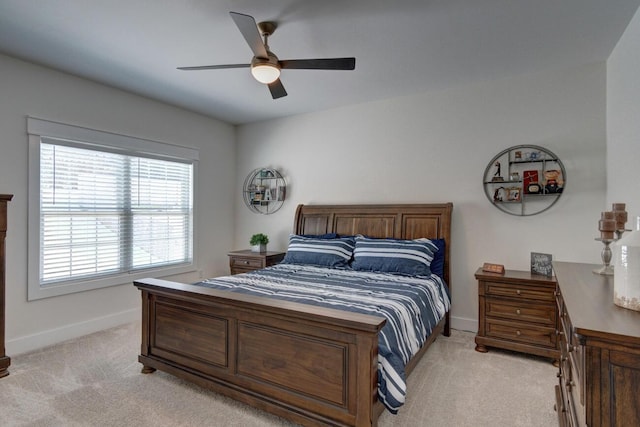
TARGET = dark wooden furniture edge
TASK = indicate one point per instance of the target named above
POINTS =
(599, 378)
(238, 344)
(5, 361)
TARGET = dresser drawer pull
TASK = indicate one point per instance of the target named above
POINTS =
(517, 291)
(518, 333)
(518, 311)
(559, 333)
(246, 262)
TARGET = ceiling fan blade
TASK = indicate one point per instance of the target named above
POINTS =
(249, 29)
(214, 67)
(277, 89)
(319, 64)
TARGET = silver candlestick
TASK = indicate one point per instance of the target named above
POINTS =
(606, 269)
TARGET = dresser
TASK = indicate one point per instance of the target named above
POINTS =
(517, 311)
(246, 260)
(599, 374)
(5, 361)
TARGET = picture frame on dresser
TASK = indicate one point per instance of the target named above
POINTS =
(541, 264)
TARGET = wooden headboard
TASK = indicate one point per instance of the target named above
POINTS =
(398, 221)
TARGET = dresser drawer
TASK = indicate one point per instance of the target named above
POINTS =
(544, 314)
(539, 293)
(245, 262)
(521, 332)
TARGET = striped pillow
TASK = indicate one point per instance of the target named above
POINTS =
(408, 257)
(319, 251)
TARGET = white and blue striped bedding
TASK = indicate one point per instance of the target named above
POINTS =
(412, 306)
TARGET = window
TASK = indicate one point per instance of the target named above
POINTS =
(105, 209)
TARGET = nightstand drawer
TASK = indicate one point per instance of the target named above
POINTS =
(538, 293)
(521, 332)
(243, 262)
(524, 311)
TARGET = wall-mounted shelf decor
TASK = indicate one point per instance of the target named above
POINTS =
(264, 190)
(524, 180)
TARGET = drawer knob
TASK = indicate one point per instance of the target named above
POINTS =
(246, 262)
(518, 333)
(518, 311)
(517, 291)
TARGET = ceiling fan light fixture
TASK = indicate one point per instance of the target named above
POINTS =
(265, 72)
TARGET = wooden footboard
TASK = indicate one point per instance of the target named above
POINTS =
(312, 365)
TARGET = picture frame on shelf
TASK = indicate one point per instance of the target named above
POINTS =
(530, 177)
(513, 194)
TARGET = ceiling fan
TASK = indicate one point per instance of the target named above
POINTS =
(265, 65)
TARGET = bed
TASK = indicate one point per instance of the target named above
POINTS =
(310, 364)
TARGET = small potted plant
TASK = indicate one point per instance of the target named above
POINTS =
(259, 242)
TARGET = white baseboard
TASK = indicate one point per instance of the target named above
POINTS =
(43, 339)
(464, 324)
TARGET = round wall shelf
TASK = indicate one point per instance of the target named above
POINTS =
(524, 180)
(264, 191)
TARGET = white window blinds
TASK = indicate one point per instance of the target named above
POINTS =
(105, 212)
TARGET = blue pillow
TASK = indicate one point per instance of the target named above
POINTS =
(321, 236)
(437, 265)
(408, 257)
(333, 253)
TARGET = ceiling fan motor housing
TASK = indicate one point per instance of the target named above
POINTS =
(265, 70)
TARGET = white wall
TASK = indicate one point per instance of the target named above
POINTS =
(27, 89)
(434, 147)
(623, 121)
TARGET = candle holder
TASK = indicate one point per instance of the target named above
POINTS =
(607, 268)
(619, 233)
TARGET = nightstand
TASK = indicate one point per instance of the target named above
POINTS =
(517, 311)
(246, 260)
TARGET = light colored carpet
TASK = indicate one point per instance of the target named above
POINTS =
(96, 381)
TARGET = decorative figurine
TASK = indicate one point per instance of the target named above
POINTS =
(552, 181)
(497, 177)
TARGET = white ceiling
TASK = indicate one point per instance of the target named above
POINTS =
(401, 47)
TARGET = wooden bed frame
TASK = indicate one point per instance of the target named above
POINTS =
(312, 365)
